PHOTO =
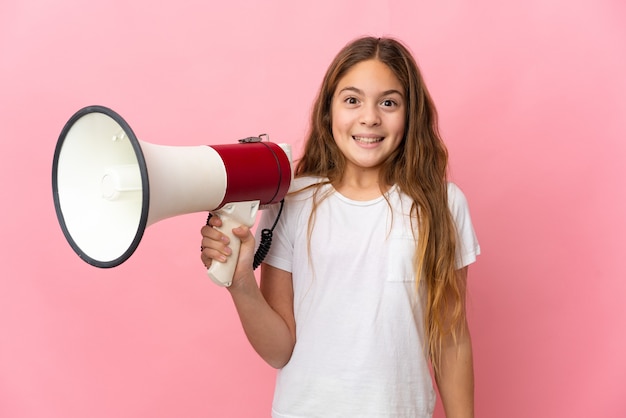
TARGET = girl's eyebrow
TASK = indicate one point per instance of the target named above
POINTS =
(360, 92)
(352, 89)
(392, 91)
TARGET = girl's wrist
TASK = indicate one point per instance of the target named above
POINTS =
(243, 285)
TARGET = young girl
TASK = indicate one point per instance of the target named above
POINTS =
(365, 281)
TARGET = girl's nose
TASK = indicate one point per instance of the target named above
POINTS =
(369, 116)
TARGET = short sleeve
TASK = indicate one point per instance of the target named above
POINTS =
(467, 244)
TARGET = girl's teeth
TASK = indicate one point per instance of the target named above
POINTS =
(367, 140)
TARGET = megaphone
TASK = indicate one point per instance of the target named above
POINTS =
(108, 186)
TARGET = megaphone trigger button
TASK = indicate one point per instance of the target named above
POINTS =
(250, 139)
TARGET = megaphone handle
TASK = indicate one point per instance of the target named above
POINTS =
(232, 215)
(222, 273)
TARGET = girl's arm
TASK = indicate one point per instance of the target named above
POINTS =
(266, 312)
(455, 378)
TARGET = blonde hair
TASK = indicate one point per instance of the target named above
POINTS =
(418, 167)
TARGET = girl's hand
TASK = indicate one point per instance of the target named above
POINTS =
(215, 246)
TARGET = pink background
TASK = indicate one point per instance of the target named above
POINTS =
(532, 99)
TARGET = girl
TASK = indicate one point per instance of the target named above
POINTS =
(366, 278)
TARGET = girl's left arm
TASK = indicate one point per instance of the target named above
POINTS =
(455, 377)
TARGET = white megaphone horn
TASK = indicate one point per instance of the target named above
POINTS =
(108, 186)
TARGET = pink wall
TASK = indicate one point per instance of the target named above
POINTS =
(532, 97)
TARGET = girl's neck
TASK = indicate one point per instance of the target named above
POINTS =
(360, 187)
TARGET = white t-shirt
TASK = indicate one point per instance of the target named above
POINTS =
(359, 348)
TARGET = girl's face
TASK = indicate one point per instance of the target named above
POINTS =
(368, 116)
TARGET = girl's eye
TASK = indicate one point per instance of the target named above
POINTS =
(351, 100)
(388, 103)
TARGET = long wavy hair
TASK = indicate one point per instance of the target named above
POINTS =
(418, 167)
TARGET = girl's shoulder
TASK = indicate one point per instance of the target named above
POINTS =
(454, 191)
(305, 187)
(300, 183)
(456, 197)
(457, 201)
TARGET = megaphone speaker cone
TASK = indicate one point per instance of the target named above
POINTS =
(100, 186)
